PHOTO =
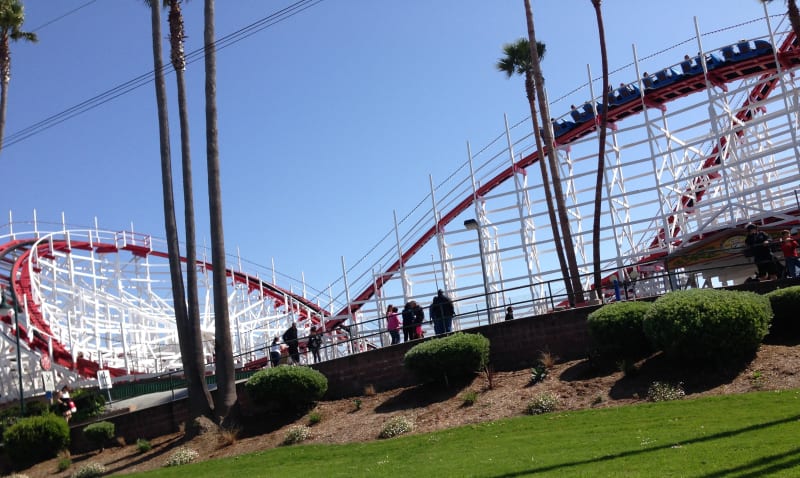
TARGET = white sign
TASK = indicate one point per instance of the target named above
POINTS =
(49, 381)
(104, 377)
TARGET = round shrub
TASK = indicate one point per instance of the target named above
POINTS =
(99, 433)
(708, 325)
(785, 304)
(616, 330)
(34, 439)
(459, 355)
(89, 402)
(290, 386)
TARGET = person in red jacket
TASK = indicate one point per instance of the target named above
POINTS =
(789, 249)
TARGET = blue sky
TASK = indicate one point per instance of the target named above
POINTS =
(328, 121)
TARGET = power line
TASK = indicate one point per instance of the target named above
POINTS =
(62, 16)
(146, 78)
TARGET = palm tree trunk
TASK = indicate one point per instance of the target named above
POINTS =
(544, 112)
(601, 160)
(226, 386)
(5, 76)
(200, 402)
(170, 226)
(794, 17)
(530, 89)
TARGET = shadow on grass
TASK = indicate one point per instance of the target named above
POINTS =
(760, 462)
(422, 396)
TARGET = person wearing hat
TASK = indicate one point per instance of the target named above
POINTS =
(757, 243)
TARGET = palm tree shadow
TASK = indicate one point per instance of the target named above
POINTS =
(422, 396)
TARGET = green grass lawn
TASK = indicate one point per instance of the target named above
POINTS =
(747, 435)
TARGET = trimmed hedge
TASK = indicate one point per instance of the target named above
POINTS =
(99, 433)
(34, 439)
(712, 325)
(617, 332)
(289, 385)
(785, 305)
(458, 355)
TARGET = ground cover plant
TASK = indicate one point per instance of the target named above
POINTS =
(748, 434)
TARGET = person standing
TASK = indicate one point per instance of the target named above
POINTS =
(65, 403)
(290, 339)
(315, 342)
(275, 352)
(419, 319)
(409, 328)
(442, 312)
(789, 249)
(509, 313)
(393, 324)
(757, 243)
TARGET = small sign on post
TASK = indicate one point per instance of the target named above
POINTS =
(104, 379)
(48, 382)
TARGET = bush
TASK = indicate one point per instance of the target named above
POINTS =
(616, 330)
(314, 418)
(296, 434)
(64, 463)
(89, 470)
(143, 445)
(290, 386)
(663, 392)
(396, 425)
(543, 403)
(34, 439)
(99, 433)
(89, 402)
(182, 456)
(708, 325)
(459, 355)
(785, 304)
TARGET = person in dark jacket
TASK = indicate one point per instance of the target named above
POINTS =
(315, 342)
(409, 327)
(290, 339)
(758, 247)
(442, 312)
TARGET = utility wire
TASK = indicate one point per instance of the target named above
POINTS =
(48, 23)
(146, 78)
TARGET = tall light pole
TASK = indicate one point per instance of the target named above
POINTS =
(473, 225)
(6, 309)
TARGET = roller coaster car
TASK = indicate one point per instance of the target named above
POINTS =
(662, 78)
(560, 127)
(623, 94)
(582, 114)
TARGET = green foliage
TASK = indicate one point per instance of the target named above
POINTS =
(397, 425)
(89, 470)
(64, 463)
(538, 373)
(143, 445)
(616, 330)
(785, 304)
(182, 456)
(356, 404)
(314, 418)
(296, 434)
(290, 386)
(711, 326)
(34, 439)
(458, 355)
(89, 402)
(664, 392)
(99, 433)
(543, 403)
(470, 397)
(34, 408)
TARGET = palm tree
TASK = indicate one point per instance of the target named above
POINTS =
(552, 157)
(199, 397)
(601, 162)
(793, 13)
(12, 16)
(200, 404)
(226, 385)
(517, 60)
